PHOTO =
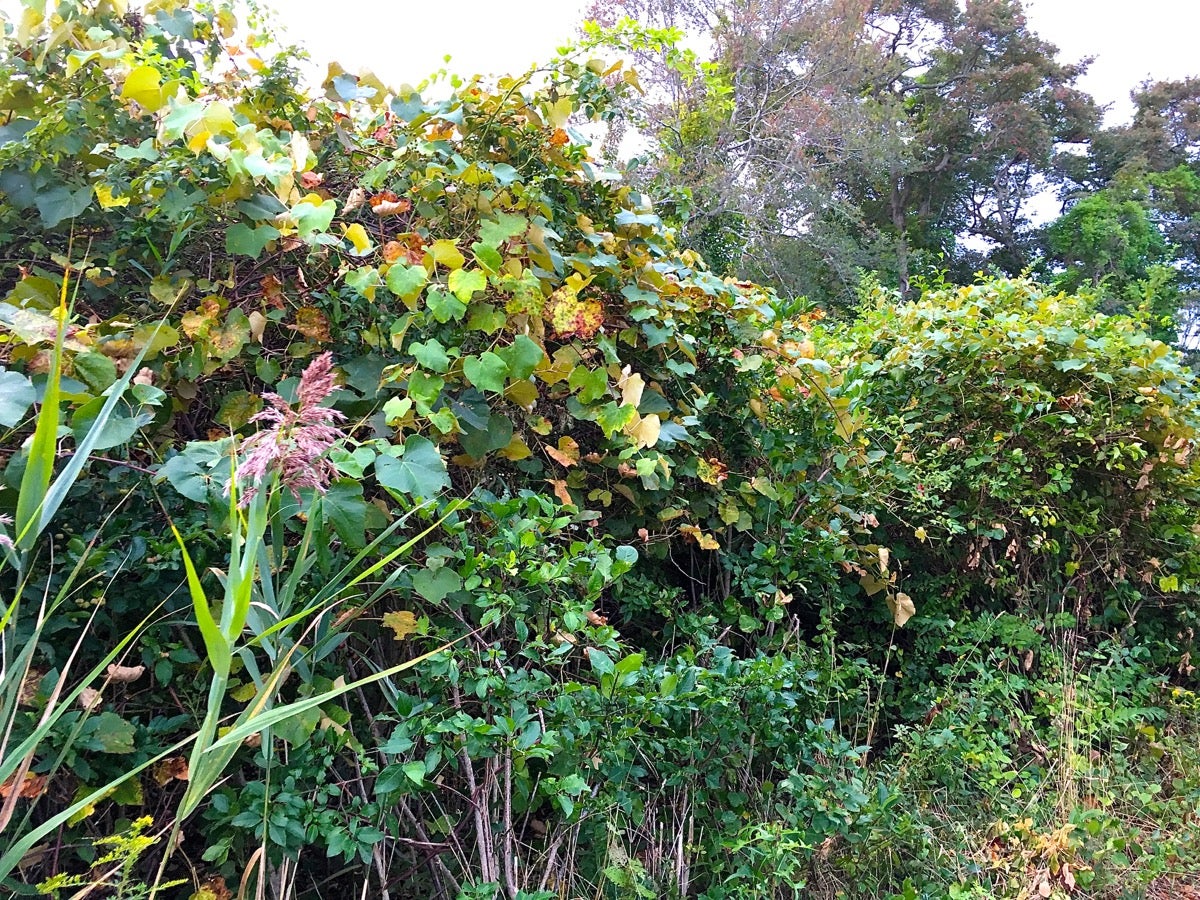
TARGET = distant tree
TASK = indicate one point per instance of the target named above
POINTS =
(834, 136)
(1150, 171)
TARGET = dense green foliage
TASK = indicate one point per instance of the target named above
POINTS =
(394, 506)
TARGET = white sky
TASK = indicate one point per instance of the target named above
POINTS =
(405, 40)
(1132, 40)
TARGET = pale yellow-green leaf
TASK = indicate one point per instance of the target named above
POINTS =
(445, 253)
(300, 151)
(218, 119)
(644, 431)
(631, 387)
(902, 608)
(144, 87)
(560, 112)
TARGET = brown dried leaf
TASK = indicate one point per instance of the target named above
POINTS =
(31, 788)
(173, 768)
(311, 323)
(567, 454)
(272, 289)
(29, 687)
(213, 888)
(561, 492)
(354, 200)
(125, 674)
(902, 608)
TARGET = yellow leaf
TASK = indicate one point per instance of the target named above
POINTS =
(445, 253)
(402, 622)
(144, 87)
(244, 693)
(516, 449)
(197, 142)
(522, 393)
(357, 235)
(104, 194)
(703, 538)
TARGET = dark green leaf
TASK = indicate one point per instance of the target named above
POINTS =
(16, 395)
(486, 372)
(522, 357)
(435, 584)
(420, 471)
(242, 240)
(61, 203)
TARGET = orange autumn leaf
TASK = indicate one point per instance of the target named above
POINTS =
(31, 788)
(392, 251)
(386, 203)
(413, 246)
(560, 491)
(272, 289)
(559, 138)
(567, 453)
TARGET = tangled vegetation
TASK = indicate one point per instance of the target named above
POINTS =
(393, 506)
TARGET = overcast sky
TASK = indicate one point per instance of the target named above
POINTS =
(405, 40)
(1131, 39)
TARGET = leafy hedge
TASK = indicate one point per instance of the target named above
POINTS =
(548, 562)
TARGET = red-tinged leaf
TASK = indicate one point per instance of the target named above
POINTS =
(560, 491)
(567, 453)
